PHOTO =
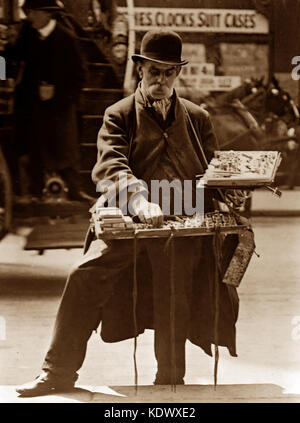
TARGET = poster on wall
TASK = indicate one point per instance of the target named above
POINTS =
(195, 53)
(206, 83)
(196, 67)
(244, 59)
(199, 76)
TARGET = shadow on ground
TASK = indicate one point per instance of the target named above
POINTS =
(22, 279)
(159, 394)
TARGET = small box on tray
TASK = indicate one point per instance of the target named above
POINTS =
(111, 219)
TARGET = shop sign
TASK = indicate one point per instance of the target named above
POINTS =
(193, 69)
(244, 21)
(210, 83)
(219, 83)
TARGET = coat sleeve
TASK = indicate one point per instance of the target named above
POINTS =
(112, 173)
(18, 51)
(203, 126)
(72, 70)
(210, 142)
(206, 133)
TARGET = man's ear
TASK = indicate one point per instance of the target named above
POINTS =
(139, 69)
(178, 70)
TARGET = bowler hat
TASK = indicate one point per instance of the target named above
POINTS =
(161, 46)
(41, 5)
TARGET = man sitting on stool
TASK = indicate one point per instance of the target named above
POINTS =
(146, 136)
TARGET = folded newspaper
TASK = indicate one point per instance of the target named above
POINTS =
(242, 168)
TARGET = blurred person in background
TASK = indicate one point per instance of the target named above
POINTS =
(51, 74)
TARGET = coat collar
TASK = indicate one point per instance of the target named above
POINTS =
(144, 101)
(48, 29)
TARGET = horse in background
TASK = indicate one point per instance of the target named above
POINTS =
(198, 96)
(278, 117)
(270, 100)
(248, 87)
(235, 126)
(258, 116)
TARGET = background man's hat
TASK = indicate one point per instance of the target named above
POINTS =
(161, 46)
(41, 5)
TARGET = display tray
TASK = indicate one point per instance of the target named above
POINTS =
(240, 169)
(224, 222)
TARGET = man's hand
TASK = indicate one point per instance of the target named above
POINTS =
(237, 197)
(147, 212)
(46, 91)
(9, 33)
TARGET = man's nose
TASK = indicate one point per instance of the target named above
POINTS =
(161, 77)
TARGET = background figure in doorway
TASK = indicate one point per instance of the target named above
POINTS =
(51, 74)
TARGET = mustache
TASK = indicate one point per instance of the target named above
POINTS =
(157, 84)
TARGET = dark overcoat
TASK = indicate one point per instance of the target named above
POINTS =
(132, 141)
(48, 128)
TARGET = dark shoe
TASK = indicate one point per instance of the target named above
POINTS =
(44, 385)
(167, 381)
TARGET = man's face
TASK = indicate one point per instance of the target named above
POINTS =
(119, 51)
(38, 18)
(158, 79)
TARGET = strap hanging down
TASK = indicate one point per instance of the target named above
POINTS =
(217, 244)
(202, 151)
(170, 247)
(135, 294)
(217, 254)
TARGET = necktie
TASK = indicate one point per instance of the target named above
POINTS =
(162, 107)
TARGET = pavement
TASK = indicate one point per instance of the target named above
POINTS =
(265, 203)
(268, 331)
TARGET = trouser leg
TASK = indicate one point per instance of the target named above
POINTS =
(88, 288)
(164, 321)
(36, 173)
(72, 179)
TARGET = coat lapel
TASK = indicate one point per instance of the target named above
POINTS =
(151, 141)
(179, 142)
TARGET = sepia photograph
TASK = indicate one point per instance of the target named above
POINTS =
(149, 204)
